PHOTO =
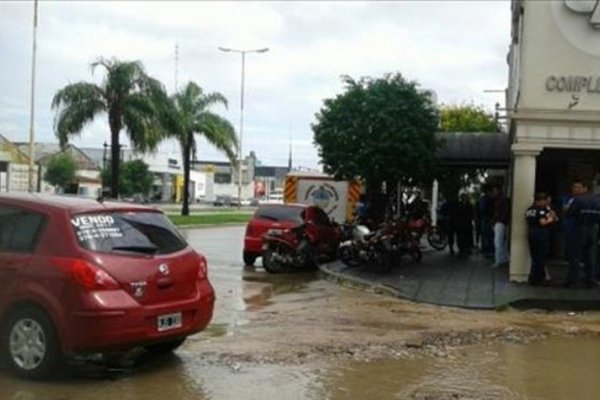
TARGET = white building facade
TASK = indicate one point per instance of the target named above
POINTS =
(553, 103)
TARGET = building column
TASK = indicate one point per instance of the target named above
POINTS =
(434, 201)
(166, 192)
(523, 188)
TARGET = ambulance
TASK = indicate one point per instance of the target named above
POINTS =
(337, 198)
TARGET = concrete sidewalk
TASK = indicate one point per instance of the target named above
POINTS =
(469, 283)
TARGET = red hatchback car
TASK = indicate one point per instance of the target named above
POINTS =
(284, 216)
(83, 276)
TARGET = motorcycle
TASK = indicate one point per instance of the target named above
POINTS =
(405, 241)
(436, 237)
(363, 246)
(294, 248)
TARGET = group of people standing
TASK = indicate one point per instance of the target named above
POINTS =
(581, 214)
(483, 222)
(471, 220)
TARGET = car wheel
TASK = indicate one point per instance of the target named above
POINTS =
(30, 344)
(165, 347)
(249, 258)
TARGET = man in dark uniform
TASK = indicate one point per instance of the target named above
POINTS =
(539, 219)
(448, 212)
(464, 225)
(585, 210)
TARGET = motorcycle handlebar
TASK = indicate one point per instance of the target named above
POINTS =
(298, 227)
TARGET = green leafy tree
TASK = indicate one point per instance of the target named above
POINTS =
(188, 115)
(382, 130)
(134, 178)
(137, 178)
(466, 118)
(131, 99)
(60, 170)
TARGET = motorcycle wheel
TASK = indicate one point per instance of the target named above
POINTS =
(345, 254)
(311, 261)
(270, 263)
(437, 239)
(305, 256)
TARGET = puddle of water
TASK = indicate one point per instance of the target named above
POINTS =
(254, 382)
(549, 370)
(215, 330)
(161, 378)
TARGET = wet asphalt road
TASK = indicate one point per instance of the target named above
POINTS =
(555, 369)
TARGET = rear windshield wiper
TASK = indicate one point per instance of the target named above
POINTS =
(137, 249)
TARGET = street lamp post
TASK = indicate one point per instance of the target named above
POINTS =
(240, 153)
(30, 178)
(104, 157)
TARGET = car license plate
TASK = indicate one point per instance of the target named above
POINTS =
(275, 231)
(169, 321)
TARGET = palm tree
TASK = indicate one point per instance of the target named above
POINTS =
(128, 95)
(188, 116)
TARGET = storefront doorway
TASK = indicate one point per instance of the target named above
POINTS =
(556, 170)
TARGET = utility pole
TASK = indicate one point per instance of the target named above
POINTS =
(240, 152)
(31, 185)
(290, 154)
(176, 66)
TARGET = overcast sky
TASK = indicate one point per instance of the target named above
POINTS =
(457, 49)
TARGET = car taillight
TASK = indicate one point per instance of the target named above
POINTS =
(249, 230)
(86, 274)
(202, 267)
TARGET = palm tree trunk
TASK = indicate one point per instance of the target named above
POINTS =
(185, 209)
(115, 158)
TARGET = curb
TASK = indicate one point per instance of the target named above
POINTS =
(202, 226)
(356, 283)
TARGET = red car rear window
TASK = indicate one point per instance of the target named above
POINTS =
(137, 232)
(280, 213)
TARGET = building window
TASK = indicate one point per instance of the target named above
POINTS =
(173, 163)
(222, 178)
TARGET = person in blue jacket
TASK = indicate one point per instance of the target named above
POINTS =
(584, 208)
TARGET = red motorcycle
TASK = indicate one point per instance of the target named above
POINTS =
(301, 247)
(405, 240)
(435, 236)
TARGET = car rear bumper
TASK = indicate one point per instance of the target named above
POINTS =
(114, 327)
(253, 245)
